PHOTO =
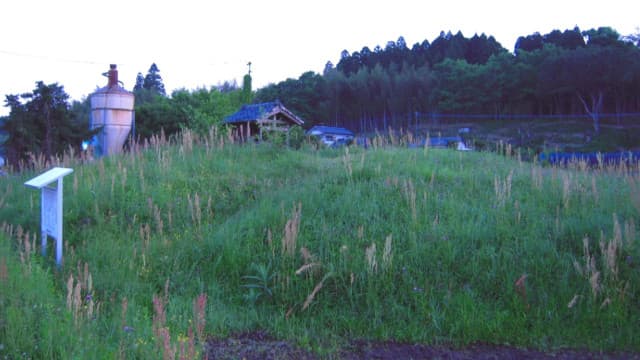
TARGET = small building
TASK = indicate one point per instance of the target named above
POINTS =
(443, 142)
(332, 136)
(254, 119)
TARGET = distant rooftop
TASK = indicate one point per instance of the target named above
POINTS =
(322, 129)
(253, 112)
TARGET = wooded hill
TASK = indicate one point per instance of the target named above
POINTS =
(568, 73)
(593, 74)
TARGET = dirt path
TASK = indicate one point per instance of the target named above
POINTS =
(258, 345)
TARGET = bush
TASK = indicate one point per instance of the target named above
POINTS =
(296, 137)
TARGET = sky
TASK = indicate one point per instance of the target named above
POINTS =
(199, 44)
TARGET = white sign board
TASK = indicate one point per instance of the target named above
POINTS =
(50, 211)
(50, 183)
(48, 177)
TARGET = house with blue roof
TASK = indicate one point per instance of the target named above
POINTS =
(255, 119)
(331, 135)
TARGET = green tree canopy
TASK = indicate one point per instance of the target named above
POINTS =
(529, 43)
(568, 73)
(42, 123)
(603, 36)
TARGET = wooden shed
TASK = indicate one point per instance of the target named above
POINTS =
(254, 119)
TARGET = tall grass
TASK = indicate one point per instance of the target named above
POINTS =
(184, 238)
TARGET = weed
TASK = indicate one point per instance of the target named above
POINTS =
(502, 188)
(199, 314)
(315, 291)
(521, 289)
(194, 209)
(260, 283)
(370, 255)
(291, 231)
(387, 254)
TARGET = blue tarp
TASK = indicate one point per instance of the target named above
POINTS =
(592, 158)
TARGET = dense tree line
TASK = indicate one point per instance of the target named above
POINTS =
(197, 109)
(44, 122)
(569, 72)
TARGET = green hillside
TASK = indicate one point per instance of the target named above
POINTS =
(173, 243)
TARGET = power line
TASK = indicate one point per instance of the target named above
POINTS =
(191, 62)
(50, 58)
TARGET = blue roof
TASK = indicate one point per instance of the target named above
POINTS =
(251, 112)
(321, 129)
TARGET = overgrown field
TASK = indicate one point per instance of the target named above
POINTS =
(170, 244)
(541, 135)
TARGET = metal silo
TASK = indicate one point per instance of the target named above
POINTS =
(111, 109)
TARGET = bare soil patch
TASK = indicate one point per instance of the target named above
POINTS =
(259, 345)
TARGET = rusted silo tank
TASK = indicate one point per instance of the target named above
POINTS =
(111, 109)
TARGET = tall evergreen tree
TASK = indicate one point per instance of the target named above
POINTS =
(153, 81)
(247, 92)
(569, 39)
(328, 67)
(139, 82)
(529, 43)
(480, 48)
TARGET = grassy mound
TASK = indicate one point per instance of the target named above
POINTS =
(172, 243)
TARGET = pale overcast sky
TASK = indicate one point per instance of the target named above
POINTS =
(203, 43)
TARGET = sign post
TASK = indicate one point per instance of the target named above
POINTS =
(50, 183)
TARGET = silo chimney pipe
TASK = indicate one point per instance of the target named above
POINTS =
(113, 76)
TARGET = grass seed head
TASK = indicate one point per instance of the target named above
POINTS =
(573, 301)
(387, 254)
(370, 254)
(291, 231)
